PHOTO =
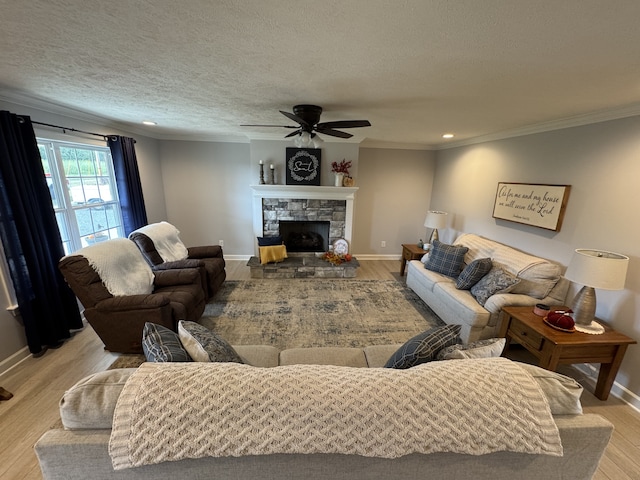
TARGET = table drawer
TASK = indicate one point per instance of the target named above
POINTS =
(526, 336)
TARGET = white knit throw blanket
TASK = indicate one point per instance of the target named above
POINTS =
(167, 241)
(121, 267)
(173, 411)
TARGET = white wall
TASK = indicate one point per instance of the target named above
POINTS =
(600, 162)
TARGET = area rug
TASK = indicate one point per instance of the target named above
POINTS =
(288, 313)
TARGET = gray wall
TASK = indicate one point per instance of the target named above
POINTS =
(600, 162)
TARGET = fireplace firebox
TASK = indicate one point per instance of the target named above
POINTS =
(305, 236)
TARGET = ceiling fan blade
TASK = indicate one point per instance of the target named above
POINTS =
(295, 118)
(345, 124)
(277, 126)
(333, 133)
(293, 134)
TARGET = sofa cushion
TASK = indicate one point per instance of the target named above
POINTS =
(563, 393)
(340, 356)
(491, 347)
(423, 347)
(377, 355)
(498, 280)
(205, 346)
(258, 355)
(473, 272)
(160, 344)
(90, 403)
(446, 259)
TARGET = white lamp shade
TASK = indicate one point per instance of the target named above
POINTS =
(435, 219)
(598, 269)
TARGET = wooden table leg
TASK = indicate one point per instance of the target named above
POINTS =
(403, 264)
(608, 372)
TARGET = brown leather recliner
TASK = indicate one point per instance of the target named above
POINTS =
(119, 320)
(209, 257)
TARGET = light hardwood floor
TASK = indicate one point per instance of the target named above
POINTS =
(38, 385)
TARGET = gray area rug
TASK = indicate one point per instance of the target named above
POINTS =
(312, 313)
(315, 313)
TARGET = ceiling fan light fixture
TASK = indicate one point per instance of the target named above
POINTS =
(448, 135)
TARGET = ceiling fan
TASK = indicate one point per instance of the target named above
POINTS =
(308, 117)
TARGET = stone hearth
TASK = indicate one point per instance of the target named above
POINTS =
(303, 266)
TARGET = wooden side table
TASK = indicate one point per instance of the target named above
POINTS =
(553, 347)
(410, 251)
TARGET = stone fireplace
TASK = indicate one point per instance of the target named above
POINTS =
(273, 204)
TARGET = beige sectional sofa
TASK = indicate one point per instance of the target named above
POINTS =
(80, 450)
(540, 282)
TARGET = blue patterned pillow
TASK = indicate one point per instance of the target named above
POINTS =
(497, 280)
(423, 347)
(205, 346)
(473, 272)
(446, 259)
(160, 344)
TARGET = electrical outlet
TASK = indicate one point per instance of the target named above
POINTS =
(383, 244)
(221, 243)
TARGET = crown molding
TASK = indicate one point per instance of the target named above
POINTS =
(568, 122)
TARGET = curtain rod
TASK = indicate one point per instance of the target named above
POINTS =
(64, 129)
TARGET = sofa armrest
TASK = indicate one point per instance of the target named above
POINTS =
(206, 251)
(495, 302)
(186, 263)
(180, 276)
(131, 302)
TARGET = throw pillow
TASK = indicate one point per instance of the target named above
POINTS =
(446, 259)
(423, 347)
(269, 241)
(562, 392)
(497, 280)
(473, 272)
(161, 344)
(273, 253)
(205, 346)
(491, 347)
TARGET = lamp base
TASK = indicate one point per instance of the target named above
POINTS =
(434, 236)
(584, 312)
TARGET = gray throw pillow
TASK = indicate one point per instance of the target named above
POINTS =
(446, 259)
(497, 280)
(473, 272)
(491, 347)
(423, 347)
(161, 344)
(205, 346)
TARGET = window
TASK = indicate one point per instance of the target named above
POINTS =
(83, 192)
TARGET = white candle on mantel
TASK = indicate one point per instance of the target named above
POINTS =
(260, 162)
(271, 166)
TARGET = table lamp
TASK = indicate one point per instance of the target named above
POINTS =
(435, 220)
(594, 269)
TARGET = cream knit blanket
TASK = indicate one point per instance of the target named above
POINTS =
(166, 239)
(173, 411)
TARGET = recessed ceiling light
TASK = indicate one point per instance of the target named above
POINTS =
(447, 135)
(148, 122)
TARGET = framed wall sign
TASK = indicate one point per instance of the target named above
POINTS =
(303, 166)
(532, 204)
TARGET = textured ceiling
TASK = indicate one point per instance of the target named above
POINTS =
(415, 68)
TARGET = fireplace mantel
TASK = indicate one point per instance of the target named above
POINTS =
(305, 192)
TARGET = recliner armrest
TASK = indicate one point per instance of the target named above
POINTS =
(205, 251)
(178, 276)
(186, 263)
(131, 302)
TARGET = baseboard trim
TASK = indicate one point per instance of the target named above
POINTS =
(14, 360)
(617, 390)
